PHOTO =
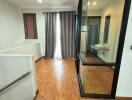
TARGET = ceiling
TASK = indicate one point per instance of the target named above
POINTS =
(100, 4)
(45, 3)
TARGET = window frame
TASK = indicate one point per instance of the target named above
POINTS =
(35, 36)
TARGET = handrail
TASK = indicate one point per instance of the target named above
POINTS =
(15, 81)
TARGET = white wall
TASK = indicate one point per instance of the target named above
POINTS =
(41, 31)
(115, 10)
(124, 88)
(26, 48)
(40, 27)
(9, 25)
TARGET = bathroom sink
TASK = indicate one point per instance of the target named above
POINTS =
(100, 47)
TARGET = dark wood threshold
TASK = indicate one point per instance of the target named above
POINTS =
(37, 92)
(123, 98)
(84, 62)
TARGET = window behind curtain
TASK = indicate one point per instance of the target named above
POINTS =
(30, 26)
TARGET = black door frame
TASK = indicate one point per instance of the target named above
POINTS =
(125, 17)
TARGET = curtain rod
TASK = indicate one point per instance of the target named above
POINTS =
(57, 11)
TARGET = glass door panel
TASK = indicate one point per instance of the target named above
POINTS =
(100, 32)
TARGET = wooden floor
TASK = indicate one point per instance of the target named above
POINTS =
(57, 80)
(98, 79)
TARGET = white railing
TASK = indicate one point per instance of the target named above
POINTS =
(29, 49)
(14, 63)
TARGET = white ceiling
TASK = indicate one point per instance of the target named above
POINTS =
(101, 4)
(45, 3)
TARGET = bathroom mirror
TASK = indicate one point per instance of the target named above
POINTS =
(106, 29)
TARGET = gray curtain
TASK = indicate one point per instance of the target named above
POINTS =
(67, 23)
(50, 25)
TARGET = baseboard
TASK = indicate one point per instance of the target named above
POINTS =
(123, 98)
(38, 59)
(37, 92)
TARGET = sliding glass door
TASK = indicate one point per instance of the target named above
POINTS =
(101, 44)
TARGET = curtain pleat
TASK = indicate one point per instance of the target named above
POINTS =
(67, 23)
(50, 24)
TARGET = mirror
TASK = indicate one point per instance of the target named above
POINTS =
(106, 29)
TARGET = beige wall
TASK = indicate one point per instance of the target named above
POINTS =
(94, 13)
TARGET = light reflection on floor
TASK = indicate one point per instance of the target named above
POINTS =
(58, 69)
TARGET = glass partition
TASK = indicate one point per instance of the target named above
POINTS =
(97, 79)
(100, 32)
